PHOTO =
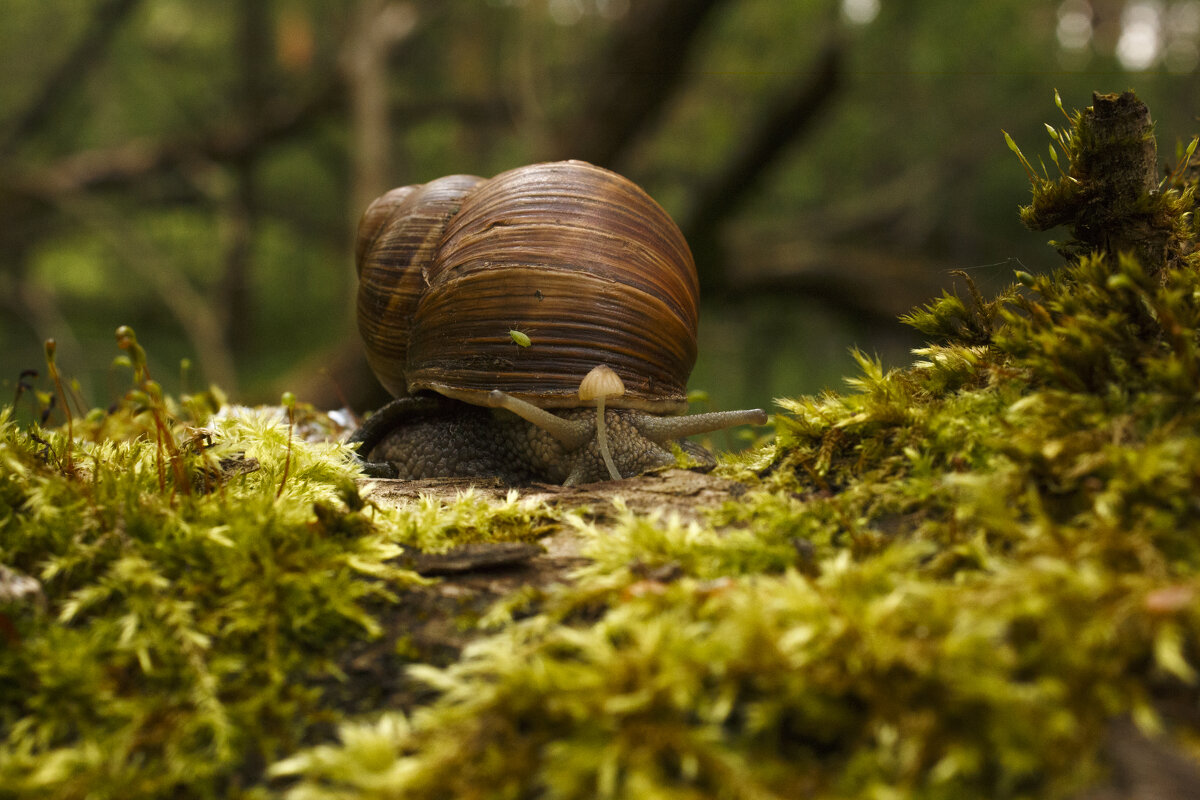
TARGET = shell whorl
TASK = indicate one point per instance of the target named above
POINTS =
(577, 257)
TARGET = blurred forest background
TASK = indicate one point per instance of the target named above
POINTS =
(195, 168)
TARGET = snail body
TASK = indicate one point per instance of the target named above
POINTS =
(452, 270)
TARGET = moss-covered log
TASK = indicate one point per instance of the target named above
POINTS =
(978, 576)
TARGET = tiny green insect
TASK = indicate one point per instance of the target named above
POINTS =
(519, 338)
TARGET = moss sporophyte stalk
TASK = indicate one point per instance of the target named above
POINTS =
(977, 576)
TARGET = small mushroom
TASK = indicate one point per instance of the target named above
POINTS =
(598, 384)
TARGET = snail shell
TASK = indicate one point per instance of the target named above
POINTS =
(578, 258)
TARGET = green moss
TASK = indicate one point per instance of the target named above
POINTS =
(201, 574)
(184, 630)
(1106, 190)
(433, 525)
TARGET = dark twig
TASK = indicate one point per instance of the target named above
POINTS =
(634, 77)
(791, 116)
(126, 163)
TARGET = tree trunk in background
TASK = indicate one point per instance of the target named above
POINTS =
(635, 76)
(234, 303)
(343, 377)
(366, 73)
(379, 26)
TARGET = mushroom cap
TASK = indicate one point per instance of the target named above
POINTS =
(600, 382)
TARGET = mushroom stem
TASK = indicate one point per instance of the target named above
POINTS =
(598, 384)
(602, 440)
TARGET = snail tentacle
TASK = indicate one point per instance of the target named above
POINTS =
(665, 429)
(570, 434)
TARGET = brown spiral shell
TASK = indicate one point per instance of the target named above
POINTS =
(577, 257)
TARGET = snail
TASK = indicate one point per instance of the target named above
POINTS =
(538, 325)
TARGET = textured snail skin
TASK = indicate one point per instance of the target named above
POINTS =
(444, 438)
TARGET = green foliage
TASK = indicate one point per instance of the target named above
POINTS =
(183, 632)
(1101, 327)
(201, 574)
(949, 319)
(150, 147)
(434, 526)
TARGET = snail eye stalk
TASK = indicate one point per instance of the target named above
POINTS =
(570, 434)
(665, 429)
